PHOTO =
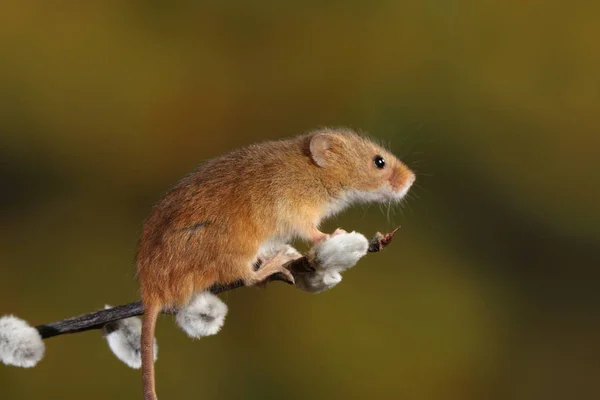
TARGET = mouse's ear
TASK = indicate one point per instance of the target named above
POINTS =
(320, 148)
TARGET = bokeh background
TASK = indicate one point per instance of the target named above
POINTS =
(490, 290)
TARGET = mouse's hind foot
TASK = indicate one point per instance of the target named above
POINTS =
(274, 265)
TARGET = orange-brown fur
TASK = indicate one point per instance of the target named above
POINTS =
(209, 227)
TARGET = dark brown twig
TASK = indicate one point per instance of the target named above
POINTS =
(96, 320)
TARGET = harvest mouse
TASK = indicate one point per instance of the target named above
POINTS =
(210, 227)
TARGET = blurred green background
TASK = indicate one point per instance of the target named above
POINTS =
(490, 290)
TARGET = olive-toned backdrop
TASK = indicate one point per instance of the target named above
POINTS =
(490, 290)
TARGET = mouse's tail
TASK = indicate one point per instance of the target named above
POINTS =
(148, 325)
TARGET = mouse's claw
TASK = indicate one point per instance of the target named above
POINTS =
(283, 275)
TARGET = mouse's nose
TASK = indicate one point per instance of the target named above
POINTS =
(411, 179)
(402, 178)
(401, 181)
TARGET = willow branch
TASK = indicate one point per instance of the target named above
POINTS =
(97, 319)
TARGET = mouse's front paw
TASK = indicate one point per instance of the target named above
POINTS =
(323, 237)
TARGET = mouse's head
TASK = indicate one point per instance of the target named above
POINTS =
(357, 169)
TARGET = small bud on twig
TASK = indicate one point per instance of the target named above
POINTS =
(124, 339)
(21, 345)
(330, 258)
(204, 315)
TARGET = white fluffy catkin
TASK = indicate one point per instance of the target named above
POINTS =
(20, 344)
(332, 257)
(124, 338)
(204, 315)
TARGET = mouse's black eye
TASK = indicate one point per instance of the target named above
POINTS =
(379, 162)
